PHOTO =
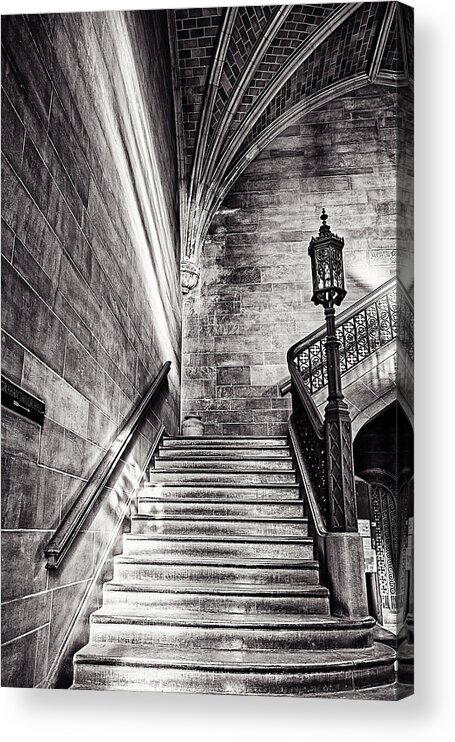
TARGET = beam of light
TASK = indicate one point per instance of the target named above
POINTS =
(126, 114)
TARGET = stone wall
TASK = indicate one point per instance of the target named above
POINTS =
(253, 301)
(91, 300)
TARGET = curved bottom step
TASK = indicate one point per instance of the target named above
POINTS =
(229, 632)
(105, 666)
(405, 661)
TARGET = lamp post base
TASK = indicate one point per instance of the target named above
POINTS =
(346, 575)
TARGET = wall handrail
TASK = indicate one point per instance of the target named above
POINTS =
(71, 524)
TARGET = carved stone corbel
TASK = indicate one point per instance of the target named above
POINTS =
(189, 273)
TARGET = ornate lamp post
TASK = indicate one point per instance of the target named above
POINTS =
(326, 253)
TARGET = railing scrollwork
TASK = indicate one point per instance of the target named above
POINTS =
(383, 315)
(377, 319)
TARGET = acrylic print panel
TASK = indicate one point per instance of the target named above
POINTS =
(216, 496)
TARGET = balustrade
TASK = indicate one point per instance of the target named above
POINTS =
(377, 319)
(360, 335)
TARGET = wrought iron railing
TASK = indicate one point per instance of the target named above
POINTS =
(369, 324)
(405, 321)
(310, 432)
(360, 334)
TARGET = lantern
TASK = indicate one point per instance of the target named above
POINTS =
(326, 253)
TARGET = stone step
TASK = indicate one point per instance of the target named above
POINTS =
(212, 490)
(217, 526)
(225, 441)
(405, 662)
(217, 589)
(224, 598)
(230, 452)
(183, 476)
(298, 673)
(229, 630)
(209, 507)
(239, 571)
(223, 465)
(290, 547)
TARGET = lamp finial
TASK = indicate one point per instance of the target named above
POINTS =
(324, 229)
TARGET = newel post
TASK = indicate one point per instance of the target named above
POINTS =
(344, 553)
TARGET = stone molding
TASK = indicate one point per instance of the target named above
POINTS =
(189, 272)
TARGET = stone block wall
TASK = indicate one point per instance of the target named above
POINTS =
(253, 301)
(91, 301)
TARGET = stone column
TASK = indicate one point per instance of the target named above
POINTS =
(344, 550)
(338, 435)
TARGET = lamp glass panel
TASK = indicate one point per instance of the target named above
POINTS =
(337, 268)
(323, 277)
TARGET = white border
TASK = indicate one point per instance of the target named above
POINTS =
(43, 715)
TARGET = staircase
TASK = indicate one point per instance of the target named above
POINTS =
(217, 589)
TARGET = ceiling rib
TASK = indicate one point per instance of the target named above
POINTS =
(178, 118)
(283, 122)
(395, 78)
(295, 61)
(403, 43)
(389, 15)
(238, 92)
(209, 102)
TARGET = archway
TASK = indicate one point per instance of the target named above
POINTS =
(383, 459)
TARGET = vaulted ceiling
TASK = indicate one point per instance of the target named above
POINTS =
(243, 74)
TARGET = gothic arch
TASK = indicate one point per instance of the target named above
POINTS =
(247, 73)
